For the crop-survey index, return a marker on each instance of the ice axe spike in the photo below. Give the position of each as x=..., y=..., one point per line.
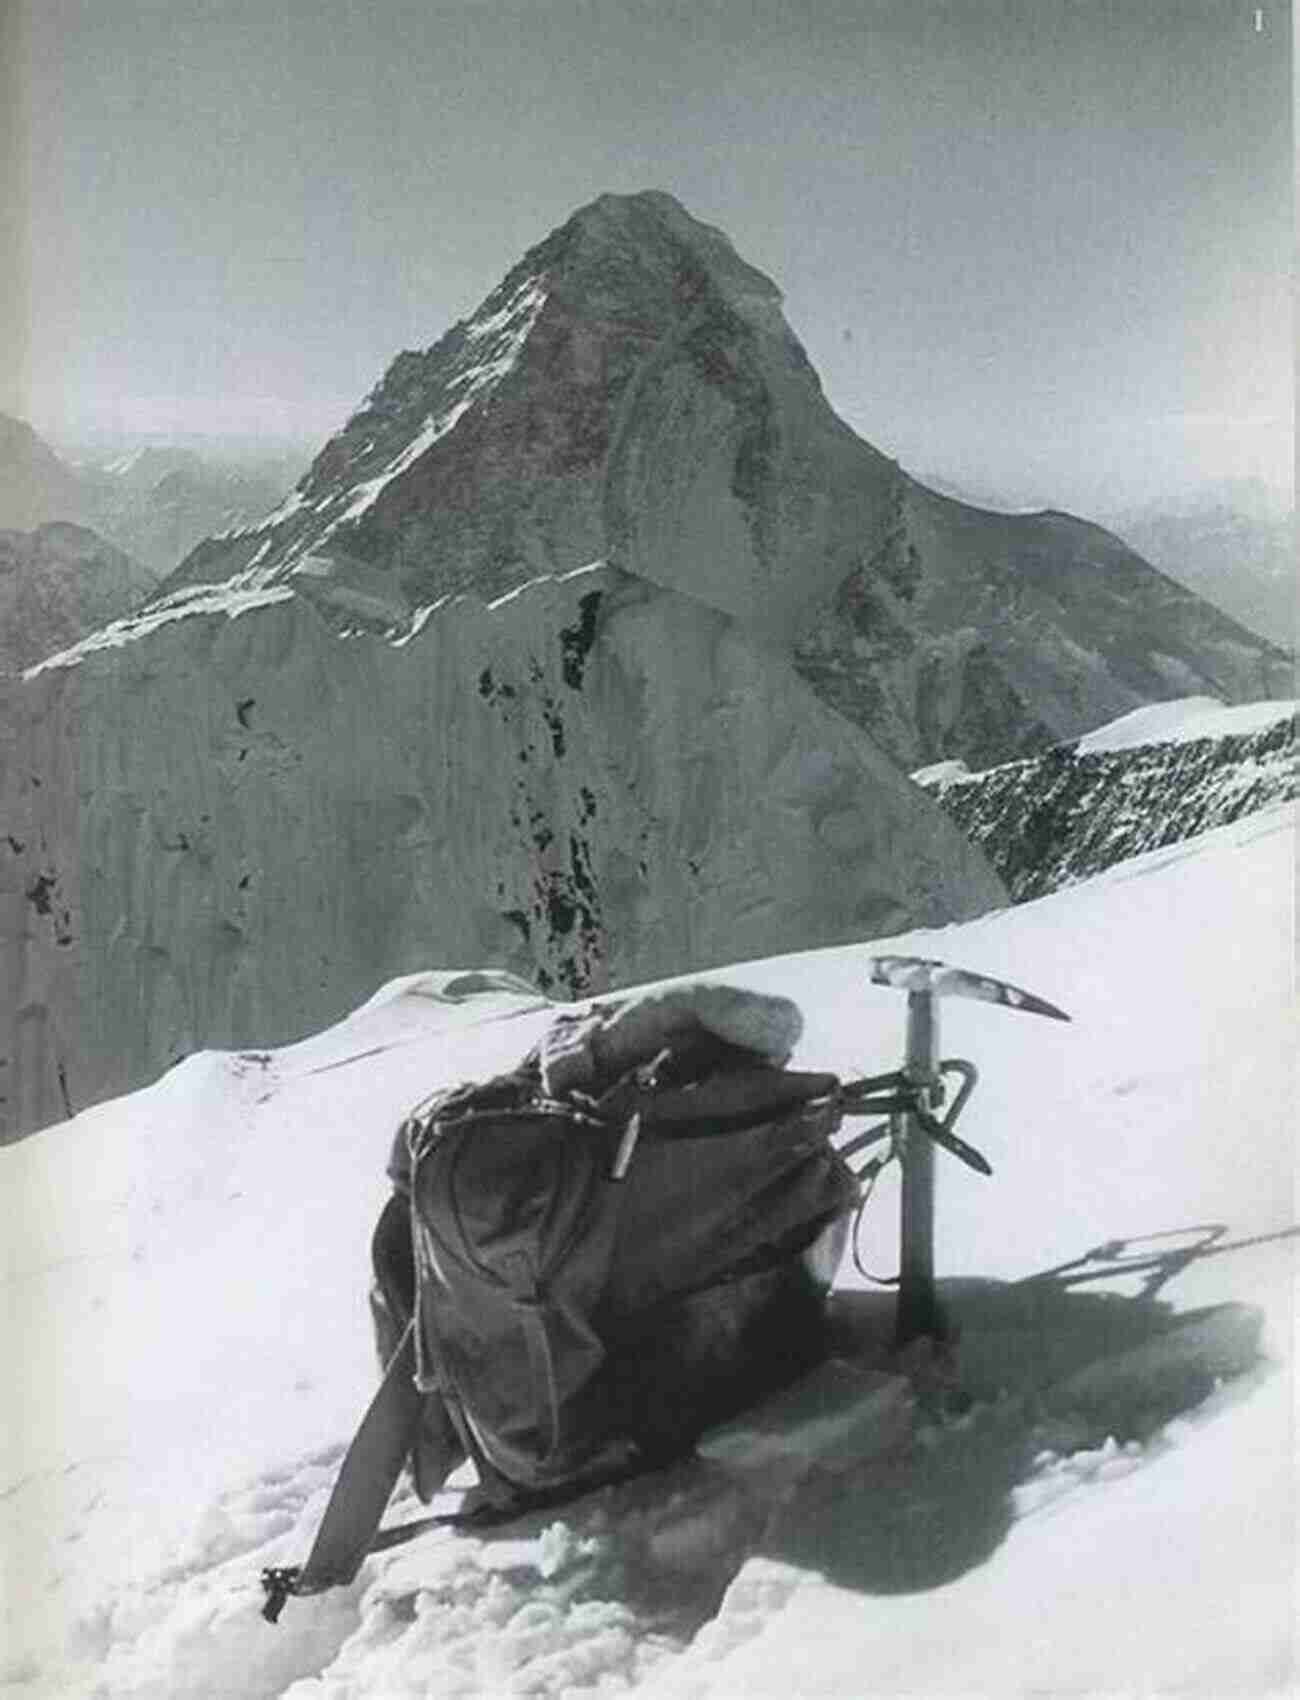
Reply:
x=925, y=981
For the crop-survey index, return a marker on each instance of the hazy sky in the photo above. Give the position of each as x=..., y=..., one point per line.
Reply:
x=1040, y=246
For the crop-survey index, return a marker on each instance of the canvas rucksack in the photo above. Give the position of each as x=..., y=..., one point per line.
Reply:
x=588, y=1260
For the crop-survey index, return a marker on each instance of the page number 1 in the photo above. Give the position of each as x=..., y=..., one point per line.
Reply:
x=1259, y=20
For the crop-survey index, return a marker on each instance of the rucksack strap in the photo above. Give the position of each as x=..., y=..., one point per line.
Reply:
x=365, y=1483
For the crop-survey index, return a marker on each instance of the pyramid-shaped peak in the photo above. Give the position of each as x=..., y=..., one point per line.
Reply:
x=517, y=444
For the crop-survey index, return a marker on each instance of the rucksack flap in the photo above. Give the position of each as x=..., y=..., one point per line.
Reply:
x=586, y=1053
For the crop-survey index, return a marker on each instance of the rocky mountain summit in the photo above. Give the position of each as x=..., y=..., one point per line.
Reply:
x=632, y=392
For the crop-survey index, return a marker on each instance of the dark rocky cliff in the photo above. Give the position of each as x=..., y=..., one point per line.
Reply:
x=1069, y=814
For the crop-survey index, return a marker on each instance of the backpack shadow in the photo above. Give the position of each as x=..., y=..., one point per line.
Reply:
x=1038, y=1367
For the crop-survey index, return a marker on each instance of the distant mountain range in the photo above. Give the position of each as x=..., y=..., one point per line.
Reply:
x=1232, y=541
x=36, y=486
x=1241, y=556
x=154, y=503
x=57, y=583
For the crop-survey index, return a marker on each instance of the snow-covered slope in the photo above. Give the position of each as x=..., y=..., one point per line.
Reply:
x=228, y=831
x=184, y=1289
x=1183, y=721
x=1156, y=776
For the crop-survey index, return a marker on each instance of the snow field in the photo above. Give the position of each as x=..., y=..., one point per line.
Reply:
x=1182, y=720
x=1112, y=1513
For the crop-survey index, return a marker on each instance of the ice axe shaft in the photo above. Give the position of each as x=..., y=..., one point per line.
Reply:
x=918, y=1302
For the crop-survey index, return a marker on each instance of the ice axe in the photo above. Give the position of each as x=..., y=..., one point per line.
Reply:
x=914, y=1129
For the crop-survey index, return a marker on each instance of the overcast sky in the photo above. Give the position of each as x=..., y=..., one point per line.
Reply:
x=1042, y=247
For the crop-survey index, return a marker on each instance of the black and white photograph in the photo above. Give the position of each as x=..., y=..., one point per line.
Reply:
x=648, y=1000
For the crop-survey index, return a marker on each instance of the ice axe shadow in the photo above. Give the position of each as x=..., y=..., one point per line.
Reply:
x=1121, y=1256
x=1044, y=1365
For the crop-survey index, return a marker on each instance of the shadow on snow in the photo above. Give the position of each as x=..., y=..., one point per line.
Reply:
x=1041, y=1366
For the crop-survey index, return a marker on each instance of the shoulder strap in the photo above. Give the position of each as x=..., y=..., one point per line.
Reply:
x=362, y=1489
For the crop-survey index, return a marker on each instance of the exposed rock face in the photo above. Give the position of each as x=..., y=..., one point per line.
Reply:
x=58, y=583
x=632, y=392
x=1072, y=813
x=224, y=831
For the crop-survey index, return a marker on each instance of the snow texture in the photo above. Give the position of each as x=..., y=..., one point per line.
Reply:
x=229, y=599
x=1182, y=721
x=1113, y=1513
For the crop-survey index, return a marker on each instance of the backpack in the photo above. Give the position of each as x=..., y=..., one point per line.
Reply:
x=588, y=1260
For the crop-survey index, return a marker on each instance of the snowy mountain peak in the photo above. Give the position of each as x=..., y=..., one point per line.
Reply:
x=484, y=460
x=631, y=392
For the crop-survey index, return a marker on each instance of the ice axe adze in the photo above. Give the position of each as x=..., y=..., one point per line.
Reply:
x=915, y=1130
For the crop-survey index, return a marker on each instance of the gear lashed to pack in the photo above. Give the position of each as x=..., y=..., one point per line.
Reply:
x=599, y=1238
